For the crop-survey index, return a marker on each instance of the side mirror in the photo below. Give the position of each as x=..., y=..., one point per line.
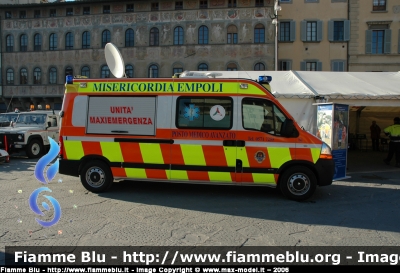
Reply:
x=48, y=124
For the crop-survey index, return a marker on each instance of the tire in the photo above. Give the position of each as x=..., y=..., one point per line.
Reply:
x=34, y=149
x=96, y=176
x=298, y=183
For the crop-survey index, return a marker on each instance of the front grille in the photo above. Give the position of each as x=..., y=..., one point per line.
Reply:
x=11, y=139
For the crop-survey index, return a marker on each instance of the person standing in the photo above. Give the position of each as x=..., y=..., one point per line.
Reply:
x=393, y=131
x=375, y=135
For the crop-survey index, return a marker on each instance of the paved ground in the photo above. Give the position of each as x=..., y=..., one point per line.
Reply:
x=360, y=211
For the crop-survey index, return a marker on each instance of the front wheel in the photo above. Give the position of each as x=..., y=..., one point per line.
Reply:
x=96, y=176
x=298, y=183
x=34, y=149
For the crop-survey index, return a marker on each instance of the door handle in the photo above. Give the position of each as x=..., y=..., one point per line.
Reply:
x=231, y=143
x=240, y=143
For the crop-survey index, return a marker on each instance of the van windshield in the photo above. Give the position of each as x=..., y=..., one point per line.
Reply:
x=31, y=119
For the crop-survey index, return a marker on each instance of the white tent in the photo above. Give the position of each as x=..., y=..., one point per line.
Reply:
x=371, y=95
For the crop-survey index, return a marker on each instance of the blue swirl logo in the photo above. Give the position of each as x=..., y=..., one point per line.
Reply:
x=35, y=208
x=41, y=174
x=45, y=160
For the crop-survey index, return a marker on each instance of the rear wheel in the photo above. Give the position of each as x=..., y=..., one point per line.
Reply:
x=34, y=149
x=298, y=183
x=96, y=176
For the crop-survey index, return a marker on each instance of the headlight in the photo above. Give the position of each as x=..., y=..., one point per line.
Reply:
x=326, y=152
x=20, y=137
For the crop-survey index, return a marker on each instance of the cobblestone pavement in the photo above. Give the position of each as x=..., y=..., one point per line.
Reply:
x=360, y=211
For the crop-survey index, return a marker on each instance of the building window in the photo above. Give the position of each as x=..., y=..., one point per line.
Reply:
x=53, y=75
x=178, y=36
x=259, y=34
x=24, y=42
x=203, y=35
x=68, y=71
x=129, y=71
x=129, y=8
x=202, y=67
x=23, y=76
x=379, y=5
x=338, y=65
x=153, y=71
x=231, y=67
x=310, y=66
x=10, y=76
x=177, y=70
x=37, y=76
x=378, y=40
x=85, y=40
x=8, y=15
x=22, y=14
x=232, y=35
x=69, y=12
x=338, y=31
x=36, y=13
x=53, y=41
x=259, y=3
x=203, y=4
x=105, y=72
x=259, y=67
x=105, y=38
x=9, y=43
x=284, y=30
x=37, y=42
x=178, y=5
x=86, y=10
x=231, y=3
x=311, y=31
x=85, y=71
x=106, y=9
x=69, y=41
x=285, y=65
x=129, y=37
x=154, y=33
x=154, y=6
x=53, y=13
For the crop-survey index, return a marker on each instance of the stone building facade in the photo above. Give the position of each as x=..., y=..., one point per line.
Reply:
x=42, y=43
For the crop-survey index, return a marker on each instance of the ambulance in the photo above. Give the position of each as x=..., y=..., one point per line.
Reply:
x=195, y=128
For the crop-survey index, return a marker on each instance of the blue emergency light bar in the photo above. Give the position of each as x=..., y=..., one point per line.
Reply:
x=264, y=79
x=70, y=79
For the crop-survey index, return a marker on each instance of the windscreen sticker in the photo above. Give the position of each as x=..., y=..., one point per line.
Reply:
x=192, y=112
x=217, y=112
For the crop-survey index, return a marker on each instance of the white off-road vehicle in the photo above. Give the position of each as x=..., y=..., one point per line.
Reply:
x=30, y=132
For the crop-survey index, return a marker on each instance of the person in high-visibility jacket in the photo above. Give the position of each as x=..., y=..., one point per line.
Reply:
x=393, y=131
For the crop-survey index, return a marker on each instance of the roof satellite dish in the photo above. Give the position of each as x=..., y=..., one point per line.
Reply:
x=114, y=60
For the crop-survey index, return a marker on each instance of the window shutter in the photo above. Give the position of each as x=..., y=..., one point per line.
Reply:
x=292, y=31
x=330, y=30
x=302, y=66
x=303, y=31
x=368, y=41
x=388, y=40
x=319, y=66
x=347, y=30
x=319, y=31
x=398, y=43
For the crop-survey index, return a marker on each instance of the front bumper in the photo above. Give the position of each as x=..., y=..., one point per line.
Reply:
x=325, y=171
